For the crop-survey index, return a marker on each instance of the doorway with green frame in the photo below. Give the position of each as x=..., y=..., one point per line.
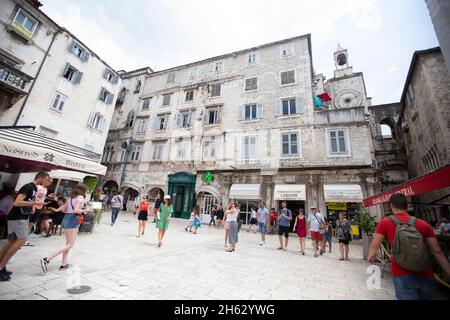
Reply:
x=182, y=193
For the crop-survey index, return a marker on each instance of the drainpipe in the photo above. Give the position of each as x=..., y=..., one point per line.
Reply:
x=36, y=78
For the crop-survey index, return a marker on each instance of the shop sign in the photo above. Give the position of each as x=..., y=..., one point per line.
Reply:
x=339, y=206
x=290, y=192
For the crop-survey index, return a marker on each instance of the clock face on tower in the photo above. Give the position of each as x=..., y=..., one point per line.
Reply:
x=348, y=99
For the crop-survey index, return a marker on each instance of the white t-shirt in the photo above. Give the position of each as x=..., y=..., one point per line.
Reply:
x=445, y=226
x=233, y=216
x=315, y=222
x=253, y=214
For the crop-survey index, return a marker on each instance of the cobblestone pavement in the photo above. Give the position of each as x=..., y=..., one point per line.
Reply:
x=114, y=264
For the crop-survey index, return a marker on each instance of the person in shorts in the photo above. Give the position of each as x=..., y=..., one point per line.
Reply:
x=18, y=221
x=263, y=220
x=284, y=226
x=273, y=220
x=316, y=225
x=144, y=211
x=253, y=220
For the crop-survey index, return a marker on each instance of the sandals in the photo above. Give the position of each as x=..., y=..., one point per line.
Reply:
x=159, y=244
x=341, y=259
x=280, y=248
x=315, y=255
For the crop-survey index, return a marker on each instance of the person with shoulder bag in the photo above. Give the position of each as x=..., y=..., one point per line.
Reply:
x=413, y=242
x=317, y=229
x=343, y=235
x=73, y=218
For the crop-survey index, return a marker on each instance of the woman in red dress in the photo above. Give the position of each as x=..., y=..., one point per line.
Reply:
x=300, y=229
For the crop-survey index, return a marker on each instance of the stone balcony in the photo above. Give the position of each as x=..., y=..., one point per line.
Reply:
x=14, y=84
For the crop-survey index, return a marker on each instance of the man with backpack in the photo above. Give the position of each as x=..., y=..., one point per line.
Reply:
x=412, y=240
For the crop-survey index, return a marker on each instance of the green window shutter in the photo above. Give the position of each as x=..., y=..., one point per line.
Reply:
x=77, y=78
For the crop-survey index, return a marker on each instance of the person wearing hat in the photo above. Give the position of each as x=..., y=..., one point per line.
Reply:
x=316, y=225
x=164, y=215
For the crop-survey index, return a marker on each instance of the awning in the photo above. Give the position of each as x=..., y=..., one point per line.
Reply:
x=343, y=193
x=429, y=182
x=290, y=192
x=24, y=150
x=245, y=191
x=67, y=175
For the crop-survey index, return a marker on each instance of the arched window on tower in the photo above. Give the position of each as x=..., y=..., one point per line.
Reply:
x=387, y=127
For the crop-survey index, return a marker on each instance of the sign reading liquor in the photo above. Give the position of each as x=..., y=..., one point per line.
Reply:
x=436, y=180
x=290, y=192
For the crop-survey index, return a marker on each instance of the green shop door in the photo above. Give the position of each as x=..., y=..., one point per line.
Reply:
x=182, y=192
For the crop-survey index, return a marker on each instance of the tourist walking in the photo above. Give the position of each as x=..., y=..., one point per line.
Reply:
x=300, y=229
x=273, y=220
x=411, y=240
x=226, y=227
x=73, y=218
x=263, y=221
x=191, y=220
x=117, y=204
x=220, y=214
x=197, y=223
x=158, y=202
x=328, y=235
x=232, y=215
x=284, y=226
x=253, y=220
x=18, y=221
x=213, y=215
x=163, y=217
x=144, y=211
x=343, y=235
x=316, y=225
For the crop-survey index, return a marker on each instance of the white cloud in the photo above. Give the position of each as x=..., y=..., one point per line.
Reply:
x=392, y=69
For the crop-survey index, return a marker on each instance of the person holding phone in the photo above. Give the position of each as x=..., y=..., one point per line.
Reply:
x=72, y=220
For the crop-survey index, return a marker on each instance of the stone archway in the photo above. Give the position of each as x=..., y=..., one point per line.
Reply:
x=153, y=193
x=110, y=186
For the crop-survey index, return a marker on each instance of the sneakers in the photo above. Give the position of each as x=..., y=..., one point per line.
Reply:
x=62, y=268
x=44, y=264
x=4, y=277
x=262, y=243
x=6, y=272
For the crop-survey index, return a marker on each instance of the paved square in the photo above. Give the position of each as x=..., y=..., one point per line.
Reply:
x=117, y=265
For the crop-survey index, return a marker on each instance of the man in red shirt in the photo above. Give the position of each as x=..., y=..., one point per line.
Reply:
x=409, y=285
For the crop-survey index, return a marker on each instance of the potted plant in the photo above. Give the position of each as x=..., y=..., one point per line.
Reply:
x=367, y=223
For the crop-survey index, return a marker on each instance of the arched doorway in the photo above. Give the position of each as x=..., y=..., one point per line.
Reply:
x=208, y=196
x=129, y=196
x=153, y=193
x=110, y=186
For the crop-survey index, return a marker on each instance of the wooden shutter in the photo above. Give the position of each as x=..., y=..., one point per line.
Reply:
x=65, y=69
x=77, y=78
x=179, y=119
x=300, y=105
x=279, y=108
x=205, y=115
x=259, y=111
x=110, y=98
x=190, y=119
x=91, y=119
x=242, y=113
x=85, y=56
x=72, y=46
x=115, y=79
x=102, y=123
x=166, y=120
x=105, y=73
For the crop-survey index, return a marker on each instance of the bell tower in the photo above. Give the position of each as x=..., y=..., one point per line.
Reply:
x=341, y=63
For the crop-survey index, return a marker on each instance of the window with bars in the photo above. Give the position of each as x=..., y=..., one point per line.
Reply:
x=166, y=99
x=251, y=84
x=290, y=144
x=287, y=77
x=215, y=90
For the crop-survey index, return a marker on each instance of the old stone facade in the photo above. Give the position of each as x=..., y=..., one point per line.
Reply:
x=247, y=121
x=425, y=122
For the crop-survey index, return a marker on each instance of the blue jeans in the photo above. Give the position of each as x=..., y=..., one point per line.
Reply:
x=413, y=288
x=114, y=214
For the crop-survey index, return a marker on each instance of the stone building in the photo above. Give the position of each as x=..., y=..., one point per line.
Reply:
x=243, y=126
x=440, y=16
x=51, y=80
x=425, y=121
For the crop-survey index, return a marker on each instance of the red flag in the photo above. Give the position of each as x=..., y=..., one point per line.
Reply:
x=324, y=96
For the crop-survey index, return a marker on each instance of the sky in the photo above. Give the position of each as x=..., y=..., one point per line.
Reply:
x=380, y=35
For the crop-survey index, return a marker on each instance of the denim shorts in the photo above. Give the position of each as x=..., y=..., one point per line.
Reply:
x=262, y=227
x=70, y=221
x=413, y=288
